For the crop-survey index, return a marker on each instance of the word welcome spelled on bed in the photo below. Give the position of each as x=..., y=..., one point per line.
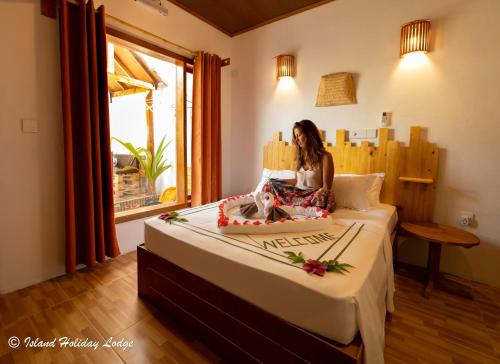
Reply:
x=315, y=287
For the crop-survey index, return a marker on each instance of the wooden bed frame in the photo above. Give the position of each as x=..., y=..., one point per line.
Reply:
x=242, y=333
x=236, y=330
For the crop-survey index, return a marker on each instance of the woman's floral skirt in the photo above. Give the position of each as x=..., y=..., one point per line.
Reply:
x=286, y=194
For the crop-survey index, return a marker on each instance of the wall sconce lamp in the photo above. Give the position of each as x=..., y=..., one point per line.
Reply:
x=285, y=66
x=415, y=37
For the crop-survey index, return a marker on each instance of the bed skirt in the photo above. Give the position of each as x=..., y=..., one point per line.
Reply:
x=234, y=329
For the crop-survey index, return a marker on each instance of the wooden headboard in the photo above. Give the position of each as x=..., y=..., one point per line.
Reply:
x=410, y=171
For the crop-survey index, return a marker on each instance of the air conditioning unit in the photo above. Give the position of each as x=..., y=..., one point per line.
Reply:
x=159, y=5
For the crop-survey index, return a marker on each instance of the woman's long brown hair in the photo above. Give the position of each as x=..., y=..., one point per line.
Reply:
x=314, y=149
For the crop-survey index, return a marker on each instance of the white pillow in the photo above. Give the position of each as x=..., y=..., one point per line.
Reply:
x=357, y=191
x=273, y=173
x=376, y=188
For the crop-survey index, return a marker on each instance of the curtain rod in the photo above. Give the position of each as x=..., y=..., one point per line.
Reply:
x=192, y=53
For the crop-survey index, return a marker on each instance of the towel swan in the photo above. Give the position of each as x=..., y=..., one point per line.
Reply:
x=260, y=215
x=269, y=205
x=260, y=206
x=264, y=204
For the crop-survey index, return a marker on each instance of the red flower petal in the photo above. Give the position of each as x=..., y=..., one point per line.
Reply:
x=314, y=267
x=165, y=216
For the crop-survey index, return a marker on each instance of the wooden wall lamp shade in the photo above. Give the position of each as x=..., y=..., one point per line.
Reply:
x=415, y=37
x=285, y=66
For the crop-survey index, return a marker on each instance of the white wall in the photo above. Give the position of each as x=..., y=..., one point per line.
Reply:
x=454, y=94
x=32, y=176
x=32, y=167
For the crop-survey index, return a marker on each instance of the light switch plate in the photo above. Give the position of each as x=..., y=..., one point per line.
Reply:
x=357, y=134
x=370, y=133
x=29, y=125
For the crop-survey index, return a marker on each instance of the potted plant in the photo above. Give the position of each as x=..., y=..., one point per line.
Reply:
x=153, y=165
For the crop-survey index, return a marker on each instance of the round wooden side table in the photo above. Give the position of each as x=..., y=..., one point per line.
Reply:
x=437, y=235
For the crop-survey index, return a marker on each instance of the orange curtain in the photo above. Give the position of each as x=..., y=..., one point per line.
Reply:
x=90, y=227
x=206, y=172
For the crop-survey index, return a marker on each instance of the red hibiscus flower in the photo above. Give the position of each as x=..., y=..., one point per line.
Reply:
x=165, y=216
x=315, y=267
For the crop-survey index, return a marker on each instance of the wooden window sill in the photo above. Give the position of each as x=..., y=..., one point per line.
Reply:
x=147, y=211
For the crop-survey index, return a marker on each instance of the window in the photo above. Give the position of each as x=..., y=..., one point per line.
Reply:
x=189, y=124
x=150, y=99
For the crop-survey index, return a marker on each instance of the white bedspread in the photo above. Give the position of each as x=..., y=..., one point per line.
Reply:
x=255, y=268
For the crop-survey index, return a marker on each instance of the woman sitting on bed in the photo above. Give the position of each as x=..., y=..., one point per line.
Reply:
x=313, y=170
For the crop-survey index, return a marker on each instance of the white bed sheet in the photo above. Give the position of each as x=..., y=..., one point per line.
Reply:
x=335, y=306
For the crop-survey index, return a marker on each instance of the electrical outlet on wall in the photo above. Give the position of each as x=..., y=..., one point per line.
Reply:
x=466, y=218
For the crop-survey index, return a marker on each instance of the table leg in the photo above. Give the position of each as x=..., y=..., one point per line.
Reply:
x=435, y=280
x=433, y=260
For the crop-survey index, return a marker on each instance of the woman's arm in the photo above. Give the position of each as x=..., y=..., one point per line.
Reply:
x=328, y=171
x=292, y=182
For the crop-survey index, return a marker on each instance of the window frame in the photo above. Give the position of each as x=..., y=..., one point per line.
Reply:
x=183, y=65
x=188, y=68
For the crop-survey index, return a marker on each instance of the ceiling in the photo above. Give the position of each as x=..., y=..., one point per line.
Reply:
x=234, y=17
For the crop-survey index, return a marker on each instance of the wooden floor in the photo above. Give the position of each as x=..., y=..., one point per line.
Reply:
x=102, y=303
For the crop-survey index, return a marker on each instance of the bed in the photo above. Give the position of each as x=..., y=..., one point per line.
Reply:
x=249, y=303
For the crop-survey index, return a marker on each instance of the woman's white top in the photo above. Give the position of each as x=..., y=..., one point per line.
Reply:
x=311, y=178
